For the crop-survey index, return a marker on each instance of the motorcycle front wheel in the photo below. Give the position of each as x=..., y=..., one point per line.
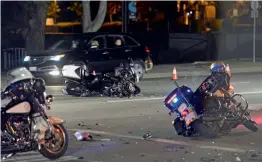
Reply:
x=251, y=125
x=56, y=147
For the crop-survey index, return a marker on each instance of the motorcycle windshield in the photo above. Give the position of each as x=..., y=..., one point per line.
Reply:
x=18, y=74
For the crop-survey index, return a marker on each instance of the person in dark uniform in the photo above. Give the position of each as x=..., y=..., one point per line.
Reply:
x=210, y=92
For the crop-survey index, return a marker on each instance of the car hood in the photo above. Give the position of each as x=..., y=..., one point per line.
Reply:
x=49, y=52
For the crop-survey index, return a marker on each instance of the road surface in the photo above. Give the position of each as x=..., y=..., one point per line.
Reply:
x=117, y=127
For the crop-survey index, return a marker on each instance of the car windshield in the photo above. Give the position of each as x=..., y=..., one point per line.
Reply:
x=65, y=44
x=18, y=74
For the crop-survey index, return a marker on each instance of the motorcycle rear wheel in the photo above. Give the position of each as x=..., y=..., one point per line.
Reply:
x=56, y=154
x=251, y=125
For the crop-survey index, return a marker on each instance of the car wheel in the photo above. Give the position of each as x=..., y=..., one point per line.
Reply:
x=139, y=68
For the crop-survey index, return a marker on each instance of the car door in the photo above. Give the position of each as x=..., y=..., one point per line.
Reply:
x=115, y=46
x=96, y=57
x=132, y=48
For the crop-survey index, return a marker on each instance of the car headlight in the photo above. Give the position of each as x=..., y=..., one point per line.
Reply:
x=57, y=57
x=27, y=58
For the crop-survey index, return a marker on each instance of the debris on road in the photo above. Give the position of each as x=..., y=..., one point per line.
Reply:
x=81, y=124
x=81, y=136
x=172, y=149
x=142, y=155
x=147, y=136
x=254, y=155
x=238, y=159
x=105, y=139
x=126, y=142
x=206, y=159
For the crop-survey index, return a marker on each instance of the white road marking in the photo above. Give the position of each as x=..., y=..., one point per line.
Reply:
x=255, y=92
x=138, y=99
x=57, y=94
x=55, y=86
x=192, y=143
x=240, y=82
x=34, y=157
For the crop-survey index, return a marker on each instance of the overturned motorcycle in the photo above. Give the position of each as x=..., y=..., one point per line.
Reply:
x=191, y=120
x=79, y=82
x=24, y=123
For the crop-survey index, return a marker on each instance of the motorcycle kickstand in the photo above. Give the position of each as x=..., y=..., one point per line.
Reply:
x=8, y=156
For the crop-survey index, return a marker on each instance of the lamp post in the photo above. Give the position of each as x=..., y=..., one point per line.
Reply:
x=124, y=16
x=254, y=15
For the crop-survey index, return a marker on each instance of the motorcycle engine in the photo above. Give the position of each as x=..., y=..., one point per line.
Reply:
x=39, y=127
x=19, y=127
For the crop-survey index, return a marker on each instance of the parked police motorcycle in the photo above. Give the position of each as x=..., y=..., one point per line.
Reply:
x=191, y=120
x=25, y=125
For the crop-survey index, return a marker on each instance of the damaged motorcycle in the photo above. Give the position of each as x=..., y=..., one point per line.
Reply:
x=191, y=118
x=25, y=125
x=80, y=82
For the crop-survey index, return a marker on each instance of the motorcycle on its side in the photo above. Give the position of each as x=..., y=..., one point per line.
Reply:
x=80, y=82
x=191, y=118
x=128, y=78
x=25, y=125
x=187, y=122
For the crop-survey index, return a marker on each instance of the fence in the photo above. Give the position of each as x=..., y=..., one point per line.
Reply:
x=12, y=57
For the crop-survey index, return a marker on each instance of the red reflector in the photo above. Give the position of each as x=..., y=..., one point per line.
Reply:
x=184, y=113
x=147, y=49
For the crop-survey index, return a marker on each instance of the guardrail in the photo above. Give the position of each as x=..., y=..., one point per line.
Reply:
x=13, y=57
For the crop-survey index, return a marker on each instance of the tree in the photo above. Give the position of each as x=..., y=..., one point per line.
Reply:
x=28, y=19
x=77, y=8
x=93, y=26
x=35, y=33
x=53, y=10
x=113, y=8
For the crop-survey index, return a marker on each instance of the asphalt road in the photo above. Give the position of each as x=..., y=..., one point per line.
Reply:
x=117, y=127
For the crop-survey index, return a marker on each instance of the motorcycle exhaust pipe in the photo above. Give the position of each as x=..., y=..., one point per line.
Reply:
x=231, y=119
x=10, y=149
x=211, y=118
x=218, y=118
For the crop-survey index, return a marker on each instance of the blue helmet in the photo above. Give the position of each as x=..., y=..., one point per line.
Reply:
x=218, y=67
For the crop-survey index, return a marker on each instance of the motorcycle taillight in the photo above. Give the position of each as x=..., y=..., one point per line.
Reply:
x=184, y=113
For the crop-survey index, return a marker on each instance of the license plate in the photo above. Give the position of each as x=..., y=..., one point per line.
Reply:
x=182, y=107
x=32, y=68
x=190, y=118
